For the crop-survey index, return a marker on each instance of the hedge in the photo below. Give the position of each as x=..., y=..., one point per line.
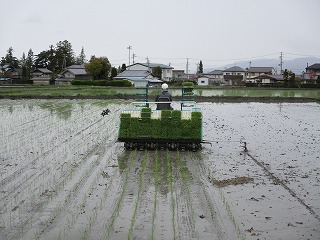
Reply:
x=170, y=127
x=114, y=83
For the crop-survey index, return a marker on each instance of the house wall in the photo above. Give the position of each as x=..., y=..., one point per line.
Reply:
x=69, y=75
x=203, y=81
x=167, y=75
x=232, y=77
x=138, y=67
x=41, y=81
x=312, y=74
x=214, y=76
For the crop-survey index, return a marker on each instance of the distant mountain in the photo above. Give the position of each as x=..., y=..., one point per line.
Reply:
x=297, y=65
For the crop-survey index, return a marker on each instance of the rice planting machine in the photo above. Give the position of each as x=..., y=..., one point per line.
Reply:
x=144, y=128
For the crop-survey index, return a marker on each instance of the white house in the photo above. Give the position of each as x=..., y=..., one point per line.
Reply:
x=203, y=81
x=268, y=78
x=233, y=75
x=215, y=77
x=166, y=70
x=254, y=72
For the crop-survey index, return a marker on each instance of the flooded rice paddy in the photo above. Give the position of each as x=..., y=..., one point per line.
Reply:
x=65, y=176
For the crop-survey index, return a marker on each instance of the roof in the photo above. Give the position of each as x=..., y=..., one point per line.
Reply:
x=76, y=67
x=315, y=66
x=7, y=66
x=5, y=79
x=214, y=72
x=274, y=77
x=133, y=73
x=260, y=69
x=162, y=66
x=142, y=79
x=43, y=70
x=76, y=70
x=234, y=69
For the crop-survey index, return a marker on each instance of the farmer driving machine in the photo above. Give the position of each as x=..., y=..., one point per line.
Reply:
x=144, y=128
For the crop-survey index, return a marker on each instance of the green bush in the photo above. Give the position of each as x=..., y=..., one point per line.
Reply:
x=188, y=84
x=114, y=83
x=119, y=83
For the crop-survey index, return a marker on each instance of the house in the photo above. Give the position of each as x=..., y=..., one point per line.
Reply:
x=234, y=75
x=134, y=73
x=166, y=70
x=268, y=79
x=312, y=73
x=203, y=81
x=8, y=71
x=41, y=76
x=179, y=75
x=254, y=72
x=139, y=78
x=74, y=72
x=215, y=77
x=4, y=80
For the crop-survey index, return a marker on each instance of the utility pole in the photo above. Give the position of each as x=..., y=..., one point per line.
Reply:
x=148, y=63
x=197, y=64
x=281, y=62
x=130, y=47
x=133, y=56
x=187, y=68
x=249, y=74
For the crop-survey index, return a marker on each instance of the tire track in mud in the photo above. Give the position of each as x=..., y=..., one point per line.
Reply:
x=120, y=216
x=185, y=215
x=214, y=215
x=284, y=185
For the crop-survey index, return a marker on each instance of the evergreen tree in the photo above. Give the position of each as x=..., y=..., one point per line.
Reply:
x=23, y=66
x=123, y=67
x=81, y=59
x=64, y=52
x=10, y=59
x=114, y=73
x=200, y=67
x=29, y=64
x=157, y=72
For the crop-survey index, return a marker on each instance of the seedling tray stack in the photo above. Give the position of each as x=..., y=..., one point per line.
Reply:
x=166, y=129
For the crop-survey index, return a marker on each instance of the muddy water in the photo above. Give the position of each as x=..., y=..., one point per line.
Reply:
x=64, y=176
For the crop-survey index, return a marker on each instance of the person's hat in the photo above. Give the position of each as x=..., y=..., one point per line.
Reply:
x=164, y=86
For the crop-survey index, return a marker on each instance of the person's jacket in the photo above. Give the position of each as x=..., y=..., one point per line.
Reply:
x=164, y=96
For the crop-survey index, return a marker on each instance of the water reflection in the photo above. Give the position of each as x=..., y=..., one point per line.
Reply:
x=245, y=92
x=62, y=109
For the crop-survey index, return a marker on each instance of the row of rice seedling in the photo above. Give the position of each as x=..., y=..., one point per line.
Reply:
x=65, y=154
x=109, y=225
x=137, y=203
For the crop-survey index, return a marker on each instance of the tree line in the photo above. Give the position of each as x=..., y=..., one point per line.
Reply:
x=57, y=58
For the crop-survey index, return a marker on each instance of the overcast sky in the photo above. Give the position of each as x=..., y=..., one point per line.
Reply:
x=218, y=32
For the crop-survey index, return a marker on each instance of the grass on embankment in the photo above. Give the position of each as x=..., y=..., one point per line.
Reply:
x=237, y=94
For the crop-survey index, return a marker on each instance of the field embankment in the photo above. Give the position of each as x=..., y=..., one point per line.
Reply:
x=231, y=94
